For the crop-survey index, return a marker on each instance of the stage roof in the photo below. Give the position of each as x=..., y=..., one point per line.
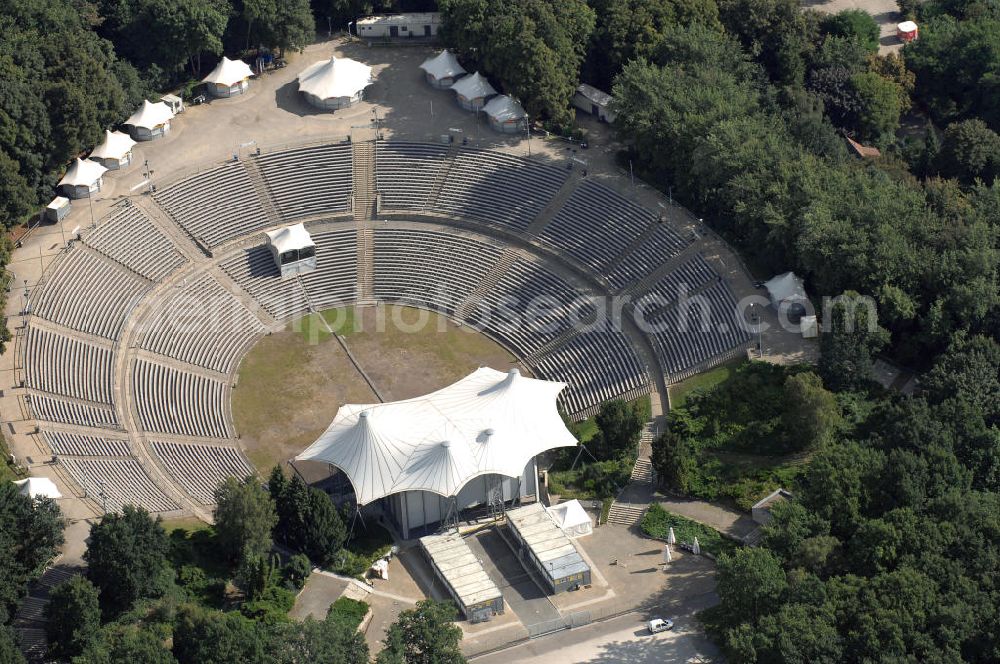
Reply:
x=489, y=422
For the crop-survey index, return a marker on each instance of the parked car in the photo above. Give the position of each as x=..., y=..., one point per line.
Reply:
x=659, y=625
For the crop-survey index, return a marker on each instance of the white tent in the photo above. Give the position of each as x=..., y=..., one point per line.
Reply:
x=83, y=178
x=785, y=287
x=489, y=422
x=230, y=77
x=473, y=91
x=506, y=115
x=293, y=249
x=335, y=83
x=116, y=150
x=572, y=518
x=38, y=487
x=150, y=121
x=442, y=69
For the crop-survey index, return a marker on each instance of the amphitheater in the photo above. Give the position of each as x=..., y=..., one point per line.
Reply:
x=135, y=408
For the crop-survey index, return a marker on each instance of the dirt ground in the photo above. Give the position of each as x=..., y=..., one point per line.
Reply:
x=289, y=389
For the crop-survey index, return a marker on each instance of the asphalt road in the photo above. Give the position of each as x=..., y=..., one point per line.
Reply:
x=621, y=640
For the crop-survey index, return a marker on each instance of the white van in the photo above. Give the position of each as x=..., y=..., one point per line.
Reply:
x=659, y=625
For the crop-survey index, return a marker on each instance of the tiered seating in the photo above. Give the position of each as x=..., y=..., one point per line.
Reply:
x=74, y=444
x=405, y=172
x=498, y=188
x=334, y=282
x=597, y=366
x=429, y=268
x=51, y=409
x=127, y=236
x=88, y=293
x=254, y=270
x=595, y=225
x=309, y=181
x=201, y=468
x=694, y=331
x=202, y=324
x=172, y=401
x=62, y=365
x=121, y=481
x=530, y=307
x=651, y=253
x=686, y=279
x=215, y=206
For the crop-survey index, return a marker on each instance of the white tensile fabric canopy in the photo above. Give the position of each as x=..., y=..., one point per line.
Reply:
x=336, y=77
x=473, y=87
x=115, y=146
x=443, y=65
x=83, y=173
x=38, y=487
x=150, y=115
x=504, y=109
x=229, y=72
x=784, y=287
x=572, y=518
x=489, y=422
x=290, y=238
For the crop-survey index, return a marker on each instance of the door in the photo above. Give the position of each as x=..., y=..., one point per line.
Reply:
x=393, y=31
x=427, y=31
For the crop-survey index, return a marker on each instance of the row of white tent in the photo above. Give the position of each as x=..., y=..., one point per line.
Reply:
x=474, y=92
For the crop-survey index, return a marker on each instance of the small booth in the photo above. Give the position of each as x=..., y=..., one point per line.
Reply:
x=150, y=121
x=57, y=210
x=788, y=294
x=442, y=70
x=38, y=487
x=472, y=92
x=596, y=102
x=907, y=31
x=572, y=518
x=506, y=115
x=293, y=250
x=335, y=83
x=115, y=152
x=83, y=178
x=174, y=103
x=809, y=327
x=229, y=78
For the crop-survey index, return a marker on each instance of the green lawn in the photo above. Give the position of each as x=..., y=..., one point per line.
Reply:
x=679, y=392
x=340, y=320
x=7, y=472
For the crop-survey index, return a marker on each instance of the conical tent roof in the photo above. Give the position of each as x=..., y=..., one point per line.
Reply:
x=150, y=115
x=504, y=109
x=785, y=286
x=487, y=422
x=115, y=146
x=443, y=65
x=36, y=487
x=83, y=173
x=473, y=87
x=229, y=72
x=336, y=77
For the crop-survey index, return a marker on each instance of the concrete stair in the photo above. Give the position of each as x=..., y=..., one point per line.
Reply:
x=625, y=514
x=642, y=472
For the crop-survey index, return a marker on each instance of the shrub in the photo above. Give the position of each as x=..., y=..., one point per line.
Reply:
x=656, y=523
x=297, y=570
x=347, y=612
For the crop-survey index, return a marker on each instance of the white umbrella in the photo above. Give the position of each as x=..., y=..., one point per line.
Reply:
x=696, y=549
x=671, y=538
x=667, y=556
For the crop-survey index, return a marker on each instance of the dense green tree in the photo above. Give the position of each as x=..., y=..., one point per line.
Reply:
x=73, y=617
x=244, y=518
x=424, y=635
x=799, y=634
x=878, y=102
x=117, y=644
x=674, y=461
x=324, y=641
x=750, y=582
x=812, y=414
x=970, y=151
x=10, y=653
x=212, y=637
x=308, y=521
x=620, y=424
x=776, y=32
x=855, y=24
x=127, y=559
x=277, y=24
x=849, y=345
x=31, y=532
x=969, y=369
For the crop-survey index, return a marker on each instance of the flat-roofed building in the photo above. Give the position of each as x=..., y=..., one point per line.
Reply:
x=542, y=544
x=477, y=597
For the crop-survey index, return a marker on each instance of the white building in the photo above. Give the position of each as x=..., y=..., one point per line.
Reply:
x=506, y=115
x=788, y=295
x=472, y=91
x=229, y=78
x=443, y=69
x=293, y=250
x=115, y=152
x=335, y=83
x=83, y=178
x=426, y=459
x=150, y=121
x=398, y=26
x=596, y=102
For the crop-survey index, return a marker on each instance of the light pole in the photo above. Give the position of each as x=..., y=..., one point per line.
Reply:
x=527, y=130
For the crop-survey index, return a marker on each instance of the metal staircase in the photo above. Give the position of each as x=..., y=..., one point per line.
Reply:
x=363, y=154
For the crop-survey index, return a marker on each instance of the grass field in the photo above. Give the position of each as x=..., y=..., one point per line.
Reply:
x=7, y=472
x=679, y=392
x=292, y=382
